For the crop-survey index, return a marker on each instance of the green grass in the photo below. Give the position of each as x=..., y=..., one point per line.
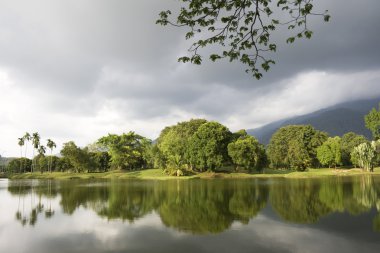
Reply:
x=157, y=174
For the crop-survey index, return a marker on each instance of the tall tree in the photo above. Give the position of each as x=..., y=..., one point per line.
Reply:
x=372, y=122
x=208, y=146
x=51, y=145
x=247, y=152
x=126, y=150
x=27, y=138
x=348, y=142
x=173, y=142
x=78, y=158
x=41, y=152
x=295, y=147
x=36, y=143
x=364, y=155
x=241, y=29
x=21, y=143
x=330, y=153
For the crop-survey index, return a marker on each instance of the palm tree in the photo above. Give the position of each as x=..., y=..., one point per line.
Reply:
x=21, y=143
x=27, y=138
x=36, y=144
x=51, y=144
x=41, y=152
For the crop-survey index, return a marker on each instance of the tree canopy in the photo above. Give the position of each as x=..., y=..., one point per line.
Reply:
x=126, y=150
x=372, y=122
x=349, y=141
x=173, y=142
x=247, y=152
x=208, y=146
x=295, y=147
x=330, y=153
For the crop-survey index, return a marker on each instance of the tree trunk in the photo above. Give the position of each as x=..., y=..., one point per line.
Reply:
x=32, y=162
x=21, y=160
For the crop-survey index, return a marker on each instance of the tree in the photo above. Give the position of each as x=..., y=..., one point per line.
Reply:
x=156, y=158
x=36, y=143
x=173, y=143
x=247, y=152
x=295, y=147
x=241, y=29
x=298, y=156
x=100, y=161
x=21, y=143
x=348, y=142
x=330, y=154
x=63, y=164
x=51, y=145
x=78, y=158
x=27, y=138
x=41, y=152
x=126, y=150
x=372, y=122
x=208, y=146
x=15, y=164
x=364, y=155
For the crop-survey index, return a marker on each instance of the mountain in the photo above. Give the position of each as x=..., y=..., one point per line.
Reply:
x=335, y=120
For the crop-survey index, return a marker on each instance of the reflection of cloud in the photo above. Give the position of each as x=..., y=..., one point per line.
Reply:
x=287, y=237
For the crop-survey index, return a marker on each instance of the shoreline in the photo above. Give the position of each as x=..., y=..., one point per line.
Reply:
x=157, y=174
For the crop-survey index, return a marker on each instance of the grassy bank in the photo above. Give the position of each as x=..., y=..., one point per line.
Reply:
x=157, y=174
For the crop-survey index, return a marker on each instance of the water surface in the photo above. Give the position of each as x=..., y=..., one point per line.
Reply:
x=338, y=214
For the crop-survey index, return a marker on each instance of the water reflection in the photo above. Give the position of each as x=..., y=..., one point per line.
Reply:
x=200, y=206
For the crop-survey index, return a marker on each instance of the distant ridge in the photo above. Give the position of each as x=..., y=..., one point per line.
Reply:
x=335, y=120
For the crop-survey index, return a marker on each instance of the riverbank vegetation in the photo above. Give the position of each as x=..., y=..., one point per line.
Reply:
x=193, y=147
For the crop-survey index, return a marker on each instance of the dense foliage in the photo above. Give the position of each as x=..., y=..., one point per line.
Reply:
x=208, y=146
x=171, y=150
x=295, y=147
x=348, y=142
x=127, y=151
x=366, y=155
x=247, y=152
x=372, y=122
x=330, y=152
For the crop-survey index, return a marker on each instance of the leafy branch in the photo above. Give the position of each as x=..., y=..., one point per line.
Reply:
x=241, y=27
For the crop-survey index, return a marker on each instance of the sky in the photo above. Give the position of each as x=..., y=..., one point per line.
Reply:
x=80, y=69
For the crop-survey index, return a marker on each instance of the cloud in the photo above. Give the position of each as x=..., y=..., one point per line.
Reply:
x=78, y=69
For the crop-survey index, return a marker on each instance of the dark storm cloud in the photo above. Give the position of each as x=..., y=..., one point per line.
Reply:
x=64, y=45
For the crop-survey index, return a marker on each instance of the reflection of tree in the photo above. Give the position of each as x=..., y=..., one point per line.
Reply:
x=49, y=212
x=298, y=200
x=128, y=202
x=195, y=207
x=354, y=195
x=75, y=194
x=201, y=206
x=331, y=193
x=247, y=202
x=210, y=207
x=28, y=190
x=307, y=200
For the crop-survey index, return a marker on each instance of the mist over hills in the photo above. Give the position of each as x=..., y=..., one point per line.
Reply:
x=335, y=120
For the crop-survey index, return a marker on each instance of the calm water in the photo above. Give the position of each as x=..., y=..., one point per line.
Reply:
x=259, y=215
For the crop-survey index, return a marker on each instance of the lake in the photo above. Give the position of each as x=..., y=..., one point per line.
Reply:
x=332, y=214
